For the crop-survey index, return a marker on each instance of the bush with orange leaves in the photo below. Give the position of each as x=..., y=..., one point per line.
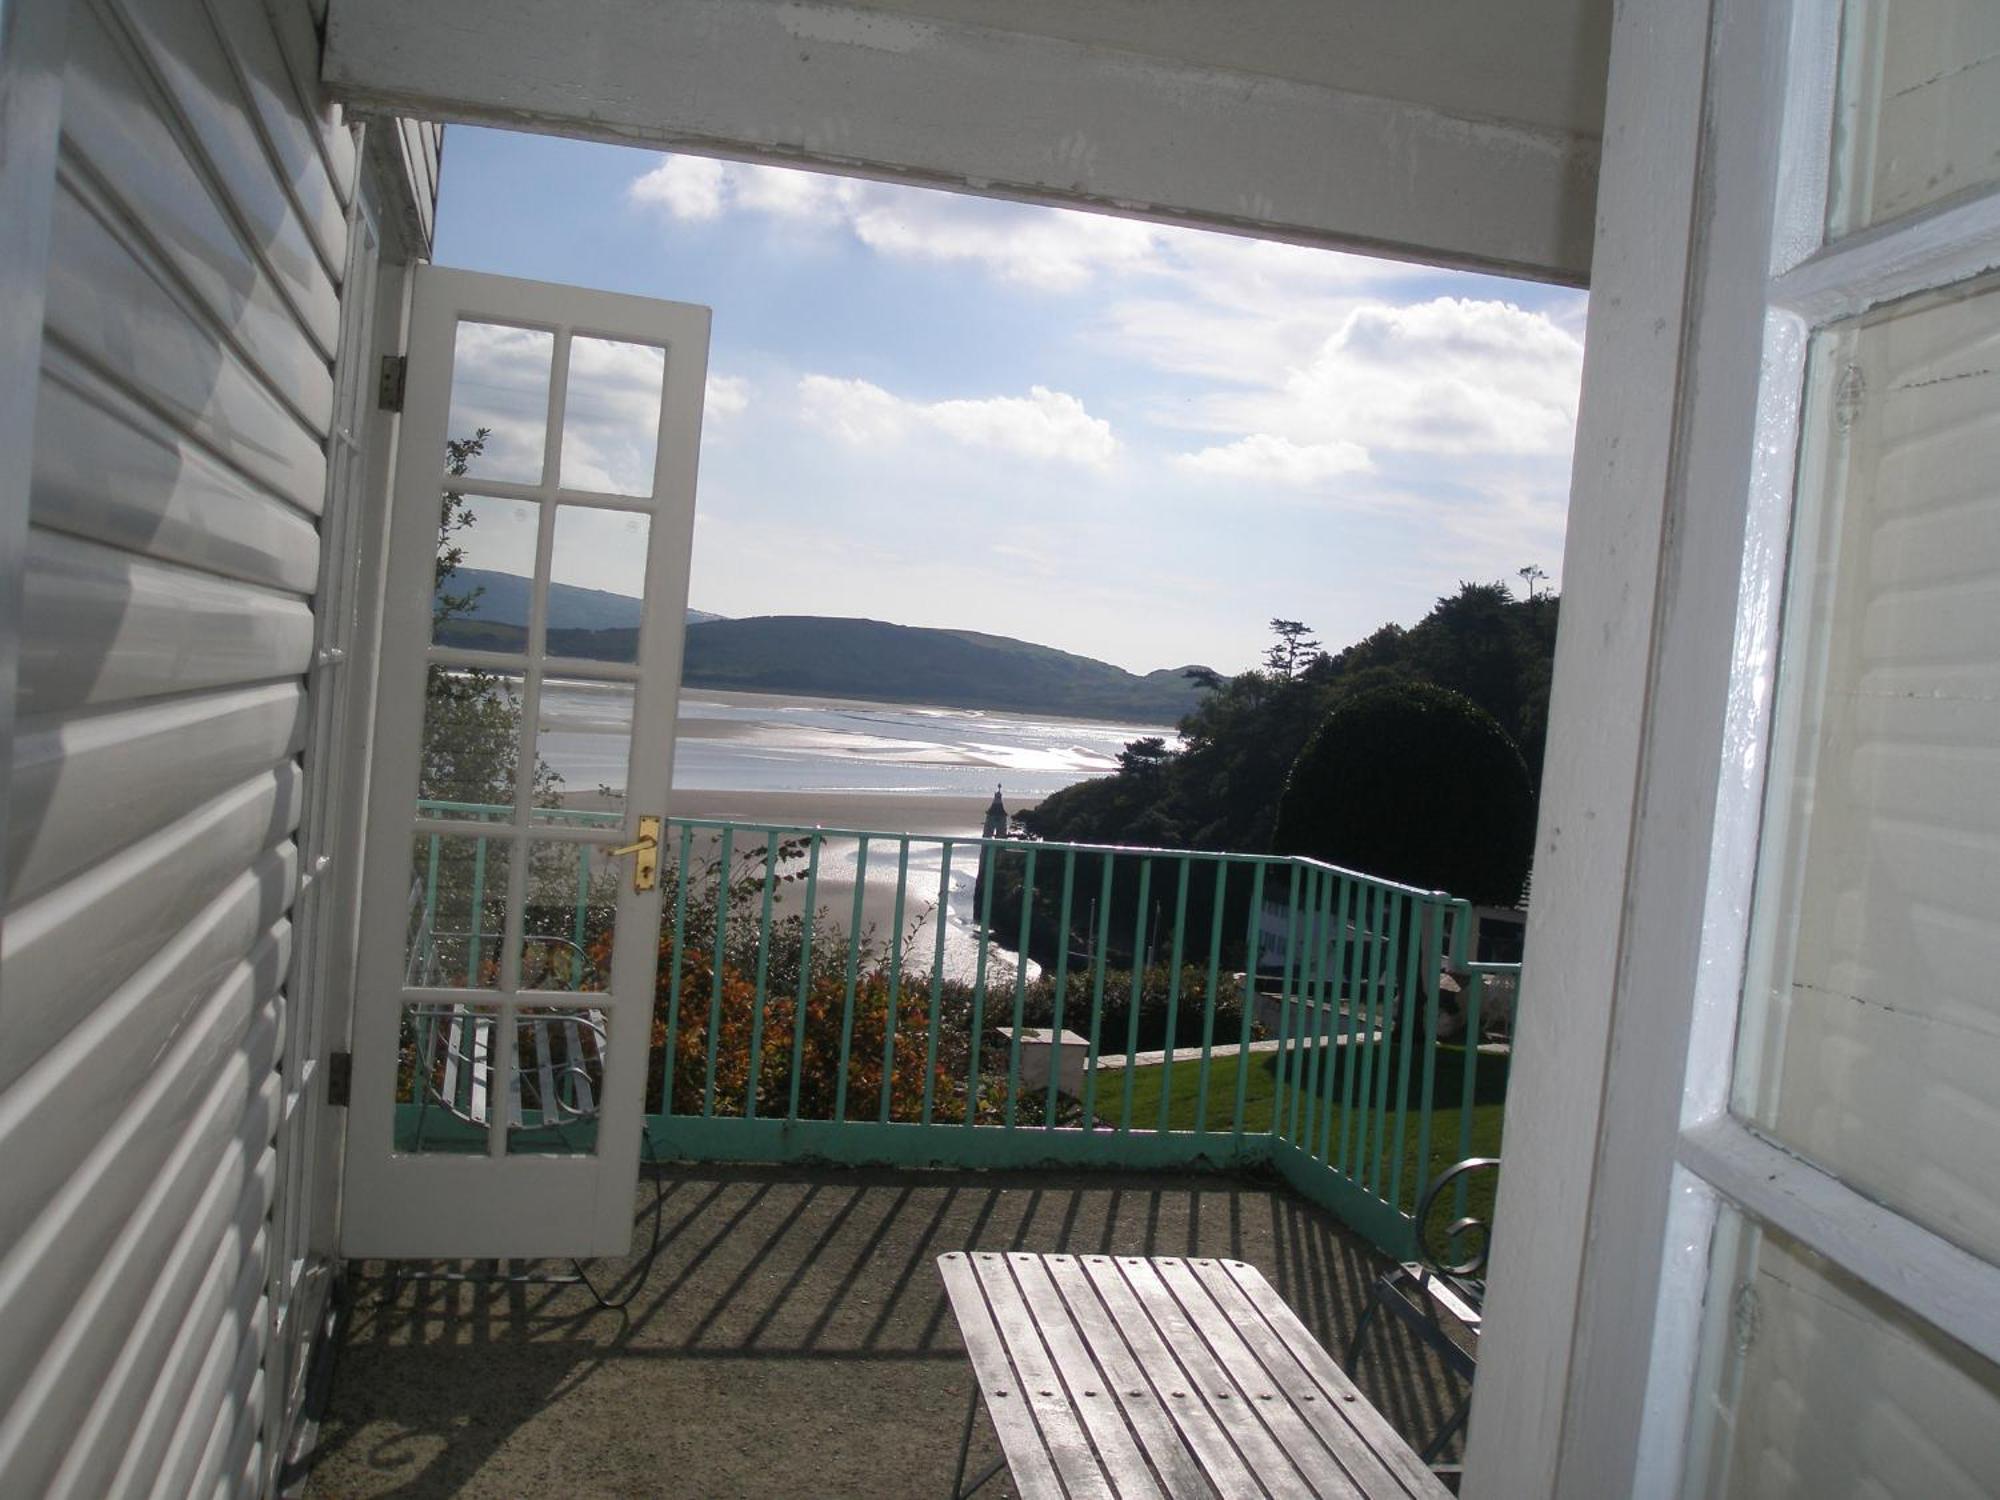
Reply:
x=786, y=1050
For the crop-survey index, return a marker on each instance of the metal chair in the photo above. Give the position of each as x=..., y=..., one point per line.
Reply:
x=1442, y=1281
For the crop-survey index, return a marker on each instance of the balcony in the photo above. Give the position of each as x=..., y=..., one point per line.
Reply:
x=850, y=1075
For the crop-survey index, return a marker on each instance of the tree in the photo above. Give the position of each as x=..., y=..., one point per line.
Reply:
x=472, y=716
x=1531, y=575
x=1293, y=650
x=470, y=755
x=1417, y=784
x=1145, y=756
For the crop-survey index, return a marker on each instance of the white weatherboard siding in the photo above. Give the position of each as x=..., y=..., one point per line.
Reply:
x=152, y=1071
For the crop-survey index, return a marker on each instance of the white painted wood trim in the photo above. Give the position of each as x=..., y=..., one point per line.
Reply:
x=1948, y=1287
x=1693, y=862
x=1627, y=423
x=1005, y=114
x=1933, y=247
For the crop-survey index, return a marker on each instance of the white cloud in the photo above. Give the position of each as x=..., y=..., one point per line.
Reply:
x=1451, y=375
x=1044, y=424
x=855, y=411
x=726, y=396
x=1444, y=378
x=611, y=416
x=1266, y=459
x=1052, y=248
x=688, y=187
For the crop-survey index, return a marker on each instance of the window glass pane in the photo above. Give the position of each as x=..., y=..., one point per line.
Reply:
x=472, y=742
x=1919, y=110
x=597, y=583
x=457, y=918
x=611, y=416
x=1813, y=1385
x=485, y=572
x=559, y=1081
x=1870, y=1037
x=567, y=925
x=444, y=1078
x=583, y=751
x=499, y=402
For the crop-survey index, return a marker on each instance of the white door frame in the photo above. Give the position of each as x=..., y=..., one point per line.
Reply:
x=1709, y=277
x=455, y=1206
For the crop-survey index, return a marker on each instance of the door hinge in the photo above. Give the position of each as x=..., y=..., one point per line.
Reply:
x=339, y=1078
x=389, y=389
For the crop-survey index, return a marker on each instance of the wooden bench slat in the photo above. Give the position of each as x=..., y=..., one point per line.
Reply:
x=1140, y=1407
x=1232, y=1472
x=1028, y=1460
x=1216, y=1317
x=1305, y=1414
x=1043, y=1393
x=1282, y=1473
x=1376, y=1435
x=1125, y=1463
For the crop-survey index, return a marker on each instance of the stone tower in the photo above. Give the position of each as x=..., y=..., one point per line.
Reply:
x=996, y=818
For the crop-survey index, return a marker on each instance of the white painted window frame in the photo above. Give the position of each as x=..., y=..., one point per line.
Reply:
x=1597, y=1400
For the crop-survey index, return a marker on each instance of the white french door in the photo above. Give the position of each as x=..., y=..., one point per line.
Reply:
x=1787, y=1277
x=540, y=531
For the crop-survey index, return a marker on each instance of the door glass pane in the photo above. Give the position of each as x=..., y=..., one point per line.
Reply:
x=1813, y=1385
x=611, y=416
x=559, y=1077
x=444, y=1078
x=567, y=925
x=1870, y=1037
x=584, y=745
x=457, y=917
x=499, y=402
x=1919, y=111
x=597, y=583
x=485, y=572
x=472, y=743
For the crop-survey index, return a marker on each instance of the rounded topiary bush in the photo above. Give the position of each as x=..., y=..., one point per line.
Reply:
x=1417, y=784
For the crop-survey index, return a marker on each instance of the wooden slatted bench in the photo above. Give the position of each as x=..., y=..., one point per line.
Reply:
x=1123, y=1375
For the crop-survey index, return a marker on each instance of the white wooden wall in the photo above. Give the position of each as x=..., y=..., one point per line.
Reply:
x=157, y=1052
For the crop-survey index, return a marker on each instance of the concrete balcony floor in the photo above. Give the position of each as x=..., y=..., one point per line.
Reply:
x=791, y=1337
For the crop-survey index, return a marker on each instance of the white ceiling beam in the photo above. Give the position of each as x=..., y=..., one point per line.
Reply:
x=844, y=88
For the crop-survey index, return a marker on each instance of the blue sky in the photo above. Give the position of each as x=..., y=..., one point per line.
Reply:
x=1129, y=441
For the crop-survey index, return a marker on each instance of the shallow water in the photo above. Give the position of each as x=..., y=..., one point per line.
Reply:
x=746, y=741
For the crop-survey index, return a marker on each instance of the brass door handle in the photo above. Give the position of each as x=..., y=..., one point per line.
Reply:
x=645, y=868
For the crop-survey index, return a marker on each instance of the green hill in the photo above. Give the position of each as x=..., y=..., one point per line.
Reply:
x=813, y=655
x=912, y=664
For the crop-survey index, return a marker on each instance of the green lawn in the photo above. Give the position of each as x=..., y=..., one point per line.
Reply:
x=1489, y=1092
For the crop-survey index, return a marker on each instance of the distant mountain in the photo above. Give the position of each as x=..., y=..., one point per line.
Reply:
x=820, y=656
x=503, y=601
x=910, y=664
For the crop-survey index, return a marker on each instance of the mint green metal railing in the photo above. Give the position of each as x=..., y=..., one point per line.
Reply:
x=788, y=1027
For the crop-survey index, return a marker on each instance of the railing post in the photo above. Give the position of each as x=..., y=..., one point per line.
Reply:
x=1251, y=951
x=853, y=971
x=715, y=987
x=1060, y=1000
x=1212, y=999
x=942, y=917
x=1168, y=1036
x=754, y=1064
x=895, y=982
x=1021, y=986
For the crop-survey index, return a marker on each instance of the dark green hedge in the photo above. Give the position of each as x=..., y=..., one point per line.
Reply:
x=1418, y=784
